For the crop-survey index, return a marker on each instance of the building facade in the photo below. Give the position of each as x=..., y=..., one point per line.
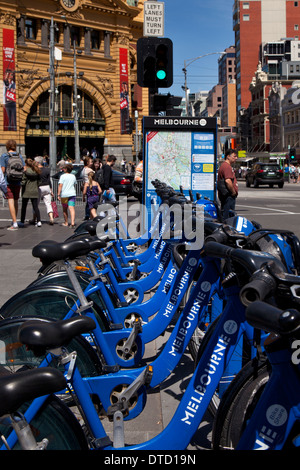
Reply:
x=256, y=22
x=290, y=105
x=92, y=72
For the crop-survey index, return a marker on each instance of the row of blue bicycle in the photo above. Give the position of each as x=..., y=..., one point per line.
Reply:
x=76, y=336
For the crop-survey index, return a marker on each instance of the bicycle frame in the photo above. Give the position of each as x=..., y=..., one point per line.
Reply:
x=198, y=394
x=278, y=408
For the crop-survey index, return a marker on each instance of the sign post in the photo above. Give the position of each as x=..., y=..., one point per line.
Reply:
x=180, y=152
x=154, y=18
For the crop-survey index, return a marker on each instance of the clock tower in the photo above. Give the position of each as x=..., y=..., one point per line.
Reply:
x=69, y=5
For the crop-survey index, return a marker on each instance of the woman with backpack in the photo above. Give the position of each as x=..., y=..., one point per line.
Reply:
x=30, y=190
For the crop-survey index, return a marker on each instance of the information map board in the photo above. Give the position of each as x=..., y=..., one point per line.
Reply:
x=181, y=152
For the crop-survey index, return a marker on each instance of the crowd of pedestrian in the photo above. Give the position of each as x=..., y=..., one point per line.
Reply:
x=29, y=179
x=294, y=173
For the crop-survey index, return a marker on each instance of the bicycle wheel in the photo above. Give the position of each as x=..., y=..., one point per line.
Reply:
x=48, y=301
x=15, y=355
x=55, y=422
x=238, y=403
x=239, y=358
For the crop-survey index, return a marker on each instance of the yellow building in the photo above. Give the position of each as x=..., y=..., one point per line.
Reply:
x=94, y=50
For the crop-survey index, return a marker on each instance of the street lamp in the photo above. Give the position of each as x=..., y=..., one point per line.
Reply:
x=75, y=99
x=75, y=104
x=52, y=137
x=187, y=63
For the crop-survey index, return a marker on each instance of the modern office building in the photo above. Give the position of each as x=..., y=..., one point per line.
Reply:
x=257, y=22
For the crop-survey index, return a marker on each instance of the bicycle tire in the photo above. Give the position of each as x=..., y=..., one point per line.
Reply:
x=55, y=422
x=17, y=355
x=238, y=403
x=48, y=301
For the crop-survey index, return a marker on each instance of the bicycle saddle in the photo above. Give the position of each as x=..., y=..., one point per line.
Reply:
x=16, y=389
x=50, y=250
x=95, y=242
x=39, y=335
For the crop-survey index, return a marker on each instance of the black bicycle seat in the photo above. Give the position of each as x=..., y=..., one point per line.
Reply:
x=16, y=389
x=51, y=335
x=50, y=250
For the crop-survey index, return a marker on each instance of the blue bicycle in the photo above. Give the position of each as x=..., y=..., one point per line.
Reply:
x=199, y=391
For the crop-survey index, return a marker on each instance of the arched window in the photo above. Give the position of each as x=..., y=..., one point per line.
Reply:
x=88, y=109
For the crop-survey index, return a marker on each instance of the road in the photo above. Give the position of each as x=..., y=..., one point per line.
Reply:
x=271, y=207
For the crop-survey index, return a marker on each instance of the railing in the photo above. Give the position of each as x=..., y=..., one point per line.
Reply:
x=79, y=201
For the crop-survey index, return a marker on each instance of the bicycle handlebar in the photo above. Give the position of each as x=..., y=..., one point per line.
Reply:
x=261, y=285
x=217, y=250
x=272, y=319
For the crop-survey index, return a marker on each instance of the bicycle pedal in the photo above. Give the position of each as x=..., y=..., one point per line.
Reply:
x=121, y=406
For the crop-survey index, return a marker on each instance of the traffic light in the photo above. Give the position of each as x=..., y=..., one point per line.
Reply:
x=154, y=62
x=292, y=154
x=167, y=104
x=129, y=125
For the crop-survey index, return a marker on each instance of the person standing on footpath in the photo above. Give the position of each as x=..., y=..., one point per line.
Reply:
x=30, y=190
x=66, y=194
x=227, y=184
x=13, y=187
x=108, y=190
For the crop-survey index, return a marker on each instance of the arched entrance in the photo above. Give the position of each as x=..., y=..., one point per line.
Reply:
x=91, y=124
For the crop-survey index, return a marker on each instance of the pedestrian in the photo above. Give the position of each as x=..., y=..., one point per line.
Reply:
x=3, y=185
x=95, y=153
x=138, y=176
x=298, y=172
x=97, y=167
x=13, y=181
x=227, y=184
x=30, y=190
x=124, y=162
x=292, y=172
x=108, y=190
x=45, y=189
x=87, y=168
x=61, y=163
x=92, y=192
x=66, y=194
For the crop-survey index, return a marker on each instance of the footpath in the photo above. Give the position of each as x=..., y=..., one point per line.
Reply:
x=19, y=269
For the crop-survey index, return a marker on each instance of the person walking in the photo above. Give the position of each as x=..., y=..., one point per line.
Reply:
x=92, y=192
x=30, y=190
x=13, y=184
x=66, y=194
x=3, y=185
x=45, y=187
x=227, y=184
x=88, y=164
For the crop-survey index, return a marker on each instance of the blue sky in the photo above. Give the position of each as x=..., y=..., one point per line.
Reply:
x=197, y=27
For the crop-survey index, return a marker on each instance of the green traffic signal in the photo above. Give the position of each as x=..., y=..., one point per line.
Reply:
x=161, y=74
